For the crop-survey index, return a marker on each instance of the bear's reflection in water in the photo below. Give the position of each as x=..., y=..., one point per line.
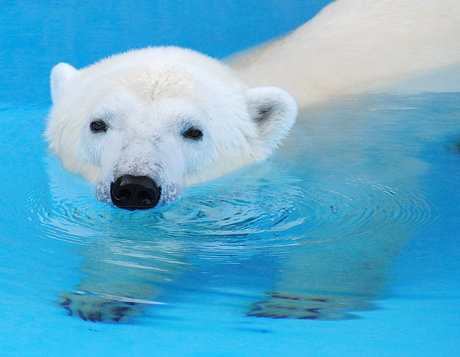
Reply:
x=332, y=210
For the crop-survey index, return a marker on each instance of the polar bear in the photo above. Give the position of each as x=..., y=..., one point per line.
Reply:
x=150, y=122
x=144, y=124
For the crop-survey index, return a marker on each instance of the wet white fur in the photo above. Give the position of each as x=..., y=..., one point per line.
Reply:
x=355, y=42
x=148, y=98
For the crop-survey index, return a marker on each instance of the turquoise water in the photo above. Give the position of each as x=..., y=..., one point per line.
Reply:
x=343, y=243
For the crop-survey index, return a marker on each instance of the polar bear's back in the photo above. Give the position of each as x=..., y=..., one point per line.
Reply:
x=352, y=42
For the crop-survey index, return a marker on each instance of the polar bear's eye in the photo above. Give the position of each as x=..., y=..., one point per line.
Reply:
x=98, y=126
x=193, y=133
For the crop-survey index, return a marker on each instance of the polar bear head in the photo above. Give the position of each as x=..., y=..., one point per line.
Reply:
x=146, y=123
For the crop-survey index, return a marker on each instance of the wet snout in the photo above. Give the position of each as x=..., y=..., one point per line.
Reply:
x=135, y=192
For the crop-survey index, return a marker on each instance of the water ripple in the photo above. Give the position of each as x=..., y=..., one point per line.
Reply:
x=255, y=214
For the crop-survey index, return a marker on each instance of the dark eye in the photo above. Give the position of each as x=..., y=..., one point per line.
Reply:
x=98, y=126
x=193, y=133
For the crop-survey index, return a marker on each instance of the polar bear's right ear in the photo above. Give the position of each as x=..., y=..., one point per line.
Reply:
x=60, y=75
x=274, y=110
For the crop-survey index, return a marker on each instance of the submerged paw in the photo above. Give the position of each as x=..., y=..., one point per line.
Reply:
x=280, y=306
x=98, y=308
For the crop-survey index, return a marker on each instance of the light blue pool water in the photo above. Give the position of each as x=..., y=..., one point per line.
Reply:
x=345, y=243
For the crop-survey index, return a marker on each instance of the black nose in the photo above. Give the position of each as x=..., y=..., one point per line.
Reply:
x=135, y=192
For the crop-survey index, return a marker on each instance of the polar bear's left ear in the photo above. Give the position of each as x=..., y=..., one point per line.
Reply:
x=274, y=110
x=60, y=75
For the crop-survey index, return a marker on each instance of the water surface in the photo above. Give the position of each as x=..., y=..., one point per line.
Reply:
x=345, y=242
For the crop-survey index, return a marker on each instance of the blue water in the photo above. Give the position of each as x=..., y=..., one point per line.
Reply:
x=343, y=243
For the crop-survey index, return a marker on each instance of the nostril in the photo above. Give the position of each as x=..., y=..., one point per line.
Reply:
x=145, y=197
x=135, y=192
x=123, y=194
